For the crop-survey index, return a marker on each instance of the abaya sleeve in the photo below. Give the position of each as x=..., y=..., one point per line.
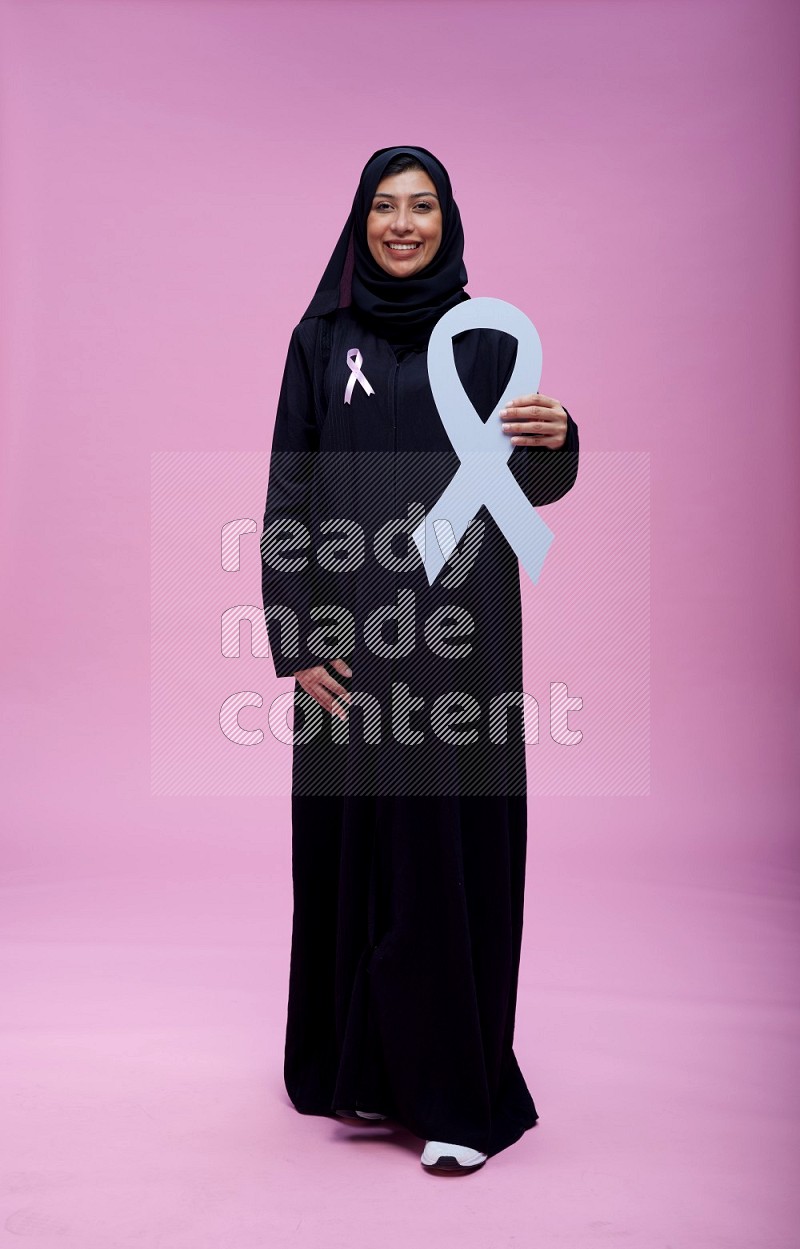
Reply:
x=544, y=474
x=286, y=570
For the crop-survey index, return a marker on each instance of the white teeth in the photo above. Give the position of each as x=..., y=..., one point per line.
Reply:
x=403, y=247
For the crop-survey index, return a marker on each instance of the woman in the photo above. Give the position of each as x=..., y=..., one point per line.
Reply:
x=409, y=825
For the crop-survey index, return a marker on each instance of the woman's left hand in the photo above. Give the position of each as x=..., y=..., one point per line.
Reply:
x=535, y=421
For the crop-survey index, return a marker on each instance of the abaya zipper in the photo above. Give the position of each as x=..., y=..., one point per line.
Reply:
x=393, y=512
x=394, y=436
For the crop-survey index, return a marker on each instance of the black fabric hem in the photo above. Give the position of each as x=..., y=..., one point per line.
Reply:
x=498, y=1140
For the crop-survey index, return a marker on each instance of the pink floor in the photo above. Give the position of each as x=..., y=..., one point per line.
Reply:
x=657, y=1029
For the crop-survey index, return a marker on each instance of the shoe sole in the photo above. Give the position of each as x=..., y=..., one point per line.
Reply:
x=446, y=1164
x=350, y=1116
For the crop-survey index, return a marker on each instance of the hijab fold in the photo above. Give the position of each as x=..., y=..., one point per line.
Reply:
x=402, y=310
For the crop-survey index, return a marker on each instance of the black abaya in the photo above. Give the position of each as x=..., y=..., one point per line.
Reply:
x=408, y=867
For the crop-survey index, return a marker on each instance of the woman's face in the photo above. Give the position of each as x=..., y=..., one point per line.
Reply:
x=404, y=224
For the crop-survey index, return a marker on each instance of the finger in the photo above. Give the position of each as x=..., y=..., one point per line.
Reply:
x=537, y=433
x=323, y=687
x=546, y=412
x=535, y=441
x=546, y=419
x=329, y=683
x=336, y=709
x=532, y=429
x=341, y=666
x=522, y=401
x=329, y=704
x=328, y=701
x=531, y=425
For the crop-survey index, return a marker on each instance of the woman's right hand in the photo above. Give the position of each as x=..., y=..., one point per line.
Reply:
x=323, y=687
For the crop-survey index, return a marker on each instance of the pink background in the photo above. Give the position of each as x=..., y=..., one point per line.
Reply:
x=174, y=175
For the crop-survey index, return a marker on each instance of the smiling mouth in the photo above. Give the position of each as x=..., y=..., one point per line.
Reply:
x=403, y=247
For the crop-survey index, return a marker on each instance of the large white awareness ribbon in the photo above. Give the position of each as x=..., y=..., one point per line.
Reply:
x=354, y=362
x=483, y=476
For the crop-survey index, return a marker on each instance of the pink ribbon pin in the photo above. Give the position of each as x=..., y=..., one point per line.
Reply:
x=354, y=362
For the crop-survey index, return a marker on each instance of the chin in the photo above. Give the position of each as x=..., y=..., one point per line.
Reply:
x=406, y=273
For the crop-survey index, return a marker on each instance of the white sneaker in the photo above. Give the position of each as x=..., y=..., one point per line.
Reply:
x=442, y=1156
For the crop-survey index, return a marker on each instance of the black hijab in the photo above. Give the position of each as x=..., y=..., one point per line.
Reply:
x=402, y=310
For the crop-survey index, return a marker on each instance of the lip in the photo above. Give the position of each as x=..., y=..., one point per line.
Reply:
x=404, y=251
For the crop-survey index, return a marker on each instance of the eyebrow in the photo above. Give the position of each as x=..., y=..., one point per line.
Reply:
x=414, y=195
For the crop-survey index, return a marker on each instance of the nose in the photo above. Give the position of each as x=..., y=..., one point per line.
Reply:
x=402, y=222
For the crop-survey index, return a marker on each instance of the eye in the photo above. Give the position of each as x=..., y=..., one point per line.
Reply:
x=425, y=205
x=377, y=207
